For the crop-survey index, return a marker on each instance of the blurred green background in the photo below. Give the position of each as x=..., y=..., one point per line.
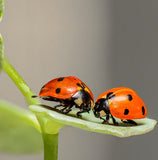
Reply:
x=105, y=43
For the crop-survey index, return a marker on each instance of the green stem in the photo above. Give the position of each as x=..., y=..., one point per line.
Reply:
x=50, y=141
x=19, y=82
x=50, y=146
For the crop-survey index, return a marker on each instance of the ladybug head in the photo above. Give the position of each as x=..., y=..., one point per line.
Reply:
x=101, y=108
x=83, y=100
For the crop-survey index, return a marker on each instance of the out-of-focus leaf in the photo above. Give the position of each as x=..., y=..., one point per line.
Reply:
x=16, y=133
x=1, y=53
x=1, y=8
x=90, y=123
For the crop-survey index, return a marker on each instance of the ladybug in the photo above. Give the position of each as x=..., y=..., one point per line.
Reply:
x=69, y=91
x=123, y=103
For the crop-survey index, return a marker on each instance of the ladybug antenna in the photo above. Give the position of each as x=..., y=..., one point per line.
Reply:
x=34, y=96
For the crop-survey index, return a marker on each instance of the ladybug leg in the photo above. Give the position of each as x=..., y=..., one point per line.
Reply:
x=114, y=121
x=68, y=109
x=106, y=121
x=129, y=121
x=59, y=105
x=62, y=110
x=81, y=111
x=132, y=122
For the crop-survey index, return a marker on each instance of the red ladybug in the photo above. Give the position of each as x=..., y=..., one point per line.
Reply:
x=122, y=103
x=69, y=91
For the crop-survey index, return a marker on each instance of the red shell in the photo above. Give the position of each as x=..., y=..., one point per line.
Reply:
x=63, y=88
x=119, y=103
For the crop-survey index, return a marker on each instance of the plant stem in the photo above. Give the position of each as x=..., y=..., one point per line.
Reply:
x=50, y=136
x=19, y=82
x=50, y=142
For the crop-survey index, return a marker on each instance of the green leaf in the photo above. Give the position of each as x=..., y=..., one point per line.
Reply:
x=1, y=53
x=16, y=132
x=1, y=8
x=90, y=123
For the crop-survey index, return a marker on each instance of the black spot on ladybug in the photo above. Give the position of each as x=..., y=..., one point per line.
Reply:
x=61, y=79
x=58, y=90
x=126, y=111
x=109, y=94
x=78, y=84
x=143, y=110
x=129, y=97
x=112, y=96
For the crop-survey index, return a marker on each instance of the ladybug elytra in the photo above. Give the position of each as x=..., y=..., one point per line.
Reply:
x=69, y=91
x=122, y=103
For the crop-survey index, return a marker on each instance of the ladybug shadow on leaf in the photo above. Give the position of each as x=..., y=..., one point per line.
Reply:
x=57, y=110
x=125, y=123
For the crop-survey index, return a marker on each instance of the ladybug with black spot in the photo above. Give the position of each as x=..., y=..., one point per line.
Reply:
x=69, y=91
x=123, y=103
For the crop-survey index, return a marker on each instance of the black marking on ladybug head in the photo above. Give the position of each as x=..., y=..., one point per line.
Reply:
x=58, y=90
x=78, y=84
x=112, y=96
x=129, y=97
x=143, y=110
x=126, y=112
x=61, y=79
x=83, y=99
x=109, y=94
x=101, y=105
